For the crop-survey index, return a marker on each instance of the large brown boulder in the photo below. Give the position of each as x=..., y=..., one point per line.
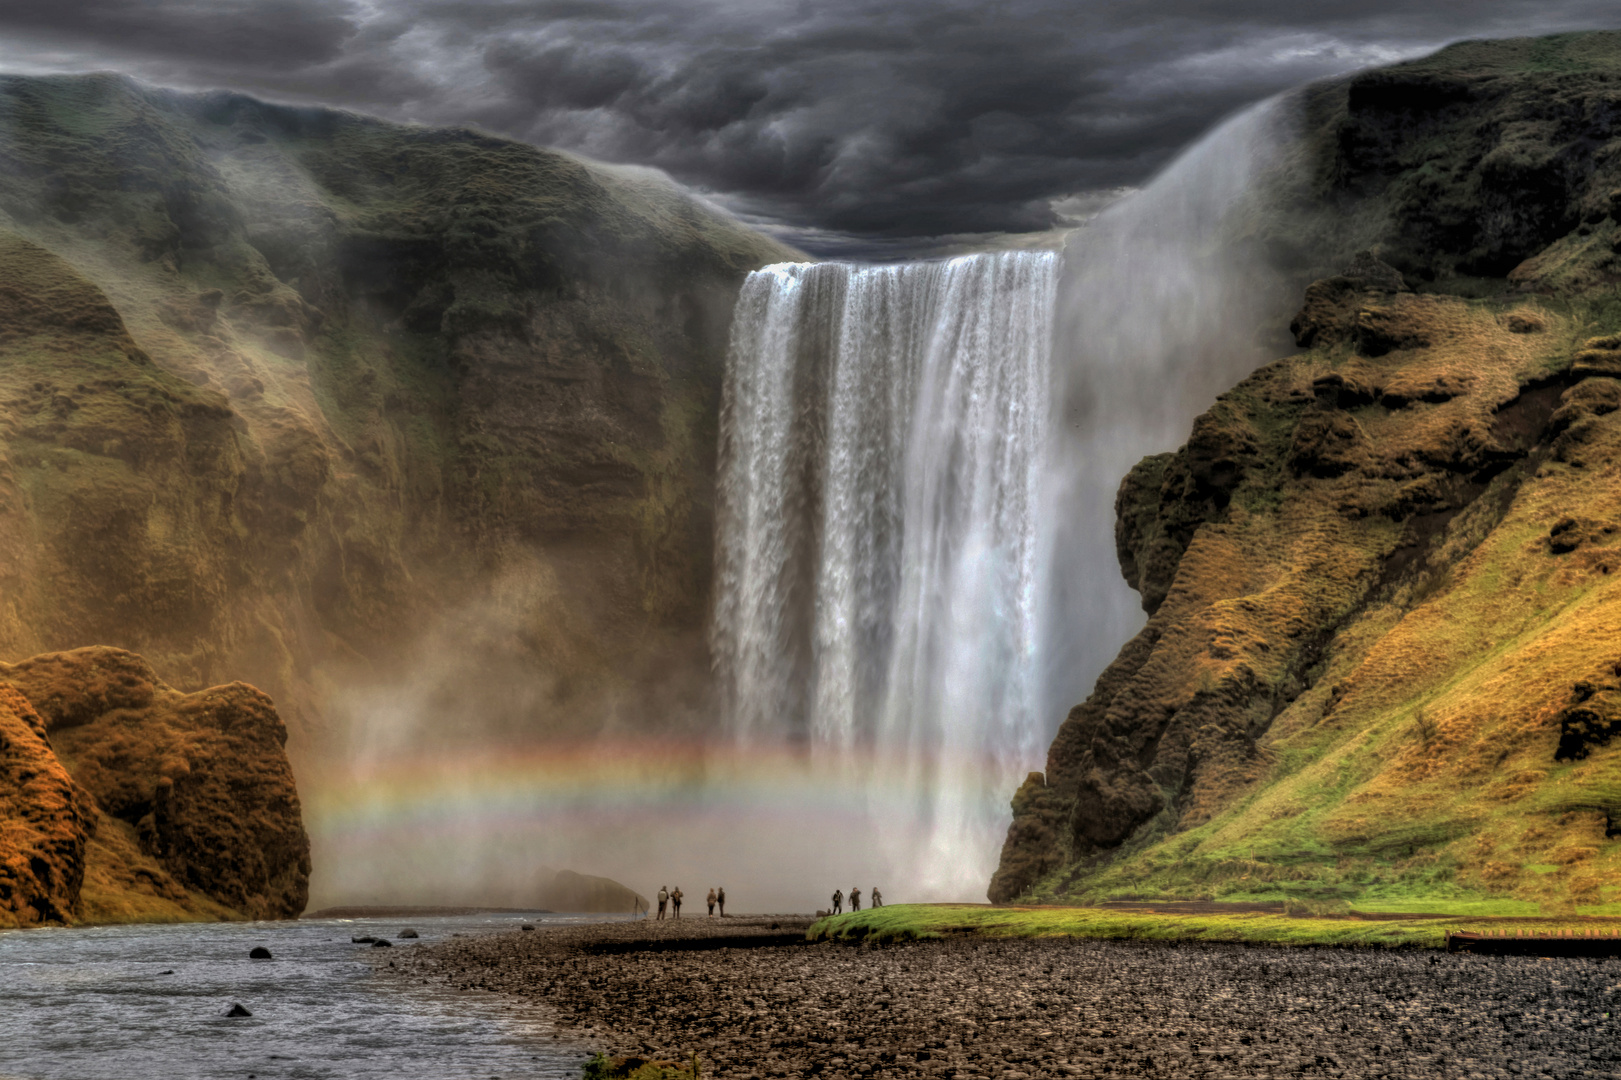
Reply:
x=202, y=778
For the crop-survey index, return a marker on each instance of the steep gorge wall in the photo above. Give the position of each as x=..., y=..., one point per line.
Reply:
x=1381, y=575
x=315, y=401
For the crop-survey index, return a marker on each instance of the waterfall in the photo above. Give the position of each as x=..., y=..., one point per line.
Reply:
x=916, y=567
x=882, y=436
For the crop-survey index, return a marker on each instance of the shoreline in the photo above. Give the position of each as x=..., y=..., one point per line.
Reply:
x=753, y=1007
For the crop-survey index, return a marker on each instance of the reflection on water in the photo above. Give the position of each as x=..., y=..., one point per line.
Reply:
x=100, y=1003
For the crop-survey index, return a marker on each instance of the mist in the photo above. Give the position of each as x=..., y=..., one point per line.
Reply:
x=476, y=768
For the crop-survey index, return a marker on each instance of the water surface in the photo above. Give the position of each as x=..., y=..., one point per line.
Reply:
x=130, y=1002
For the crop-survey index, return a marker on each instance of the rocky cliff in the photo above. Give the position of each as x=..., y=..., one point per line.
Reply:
x=1384, y=574
x=125, y=799
x=411, y=428
x=324, y=403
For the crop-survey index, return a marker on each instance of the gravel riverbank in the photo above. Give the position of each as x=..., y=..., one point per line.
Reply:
x=750, y=1004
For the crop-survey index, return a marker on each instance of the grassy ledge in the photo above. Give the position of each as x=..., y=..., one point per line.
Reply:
x=914, y=922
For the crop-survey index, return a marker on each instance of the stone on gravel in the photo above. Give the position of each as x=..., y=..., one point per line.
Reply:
x=1041, y=1008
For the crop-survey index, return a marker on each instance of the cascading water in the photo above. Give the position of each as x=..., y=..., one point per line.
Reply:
x=916, y=568
x=882, y=443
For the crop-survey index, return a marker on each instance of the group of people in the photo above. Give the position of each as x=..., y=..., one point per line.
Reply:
x=672, y=899
x=855, y=899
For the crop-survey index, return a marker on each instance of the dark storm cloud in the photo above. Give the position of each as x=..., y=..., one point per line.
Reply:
x=250, y=33
x=868, y=119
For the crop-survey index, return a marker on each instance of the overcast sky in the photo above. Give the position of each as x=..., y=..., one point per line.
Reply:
x=841, y=125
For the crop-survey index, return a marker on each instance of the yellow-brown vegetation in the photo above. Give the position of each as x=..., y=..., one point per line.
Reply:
x=131, y=801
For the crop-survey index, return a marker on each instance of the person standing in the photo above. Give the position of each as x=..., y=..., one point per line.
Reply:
x=855, y=898
x=712, y=901
x=720, y=898
x=664, y=898
x=838, y=901
x=675, y=901
x=877, y=898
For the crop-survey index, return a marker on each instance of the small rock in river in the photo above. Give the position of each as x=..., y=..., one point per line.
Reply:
x=169, y=972
x=362, y=940
x=528, y=926
x=237, y=1009
x=259, y=952
x=382, y=943
x=408, y=932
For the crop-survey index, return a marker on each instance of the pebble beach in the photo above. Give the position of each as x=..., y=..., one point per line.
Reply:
x=752, y=1001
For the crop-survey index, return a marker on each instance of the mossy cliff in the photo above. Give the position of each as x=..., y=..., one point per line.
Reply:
x=317, y=401
x=126, y=800
x=1383, y=657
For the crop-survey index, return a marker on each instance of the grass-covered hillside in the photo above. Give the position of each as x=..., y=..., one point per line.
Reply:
x=1383, y=663
x=308, y=399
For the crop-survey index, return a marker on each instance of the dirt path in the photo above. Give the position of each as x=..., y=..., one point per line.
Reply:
x=752, y=1006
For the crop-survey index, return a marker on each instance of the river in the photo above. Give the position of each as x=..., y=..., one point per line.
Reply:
x=126, y=1002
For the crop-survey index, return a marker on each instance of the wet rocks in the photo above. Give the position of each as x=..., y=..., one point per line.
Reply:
x=363, y=939
x=259, y=952
x=408, y=933
x=382, y=943
x=237, y=1009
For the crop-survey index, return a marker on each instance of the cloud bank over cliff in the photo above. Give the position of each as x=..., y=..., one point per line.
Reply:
x=848, y=126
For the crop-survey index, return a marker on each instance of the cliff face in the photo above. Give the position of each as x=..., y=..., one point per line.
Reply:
x=1382, y=573
x=316, y=401
x=130, y=800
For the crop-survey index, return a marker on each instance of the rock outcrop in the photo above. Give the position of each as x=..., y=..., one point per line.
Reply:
x=45, y=822
x=129, y=799
x=1382, y=574
x=566, y=890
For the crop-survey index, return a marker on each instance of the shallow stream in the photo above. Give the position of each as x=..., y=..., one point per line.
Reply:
x=131, y=1002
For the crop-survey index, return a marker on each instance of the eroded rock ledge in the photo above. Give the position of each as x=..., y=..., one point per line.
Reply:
x=125, y=799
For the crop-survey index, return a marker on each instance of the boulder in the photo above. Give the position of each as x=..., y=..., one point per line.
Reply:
x=259, y=952
x=202, y=778
x=237, y=1009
